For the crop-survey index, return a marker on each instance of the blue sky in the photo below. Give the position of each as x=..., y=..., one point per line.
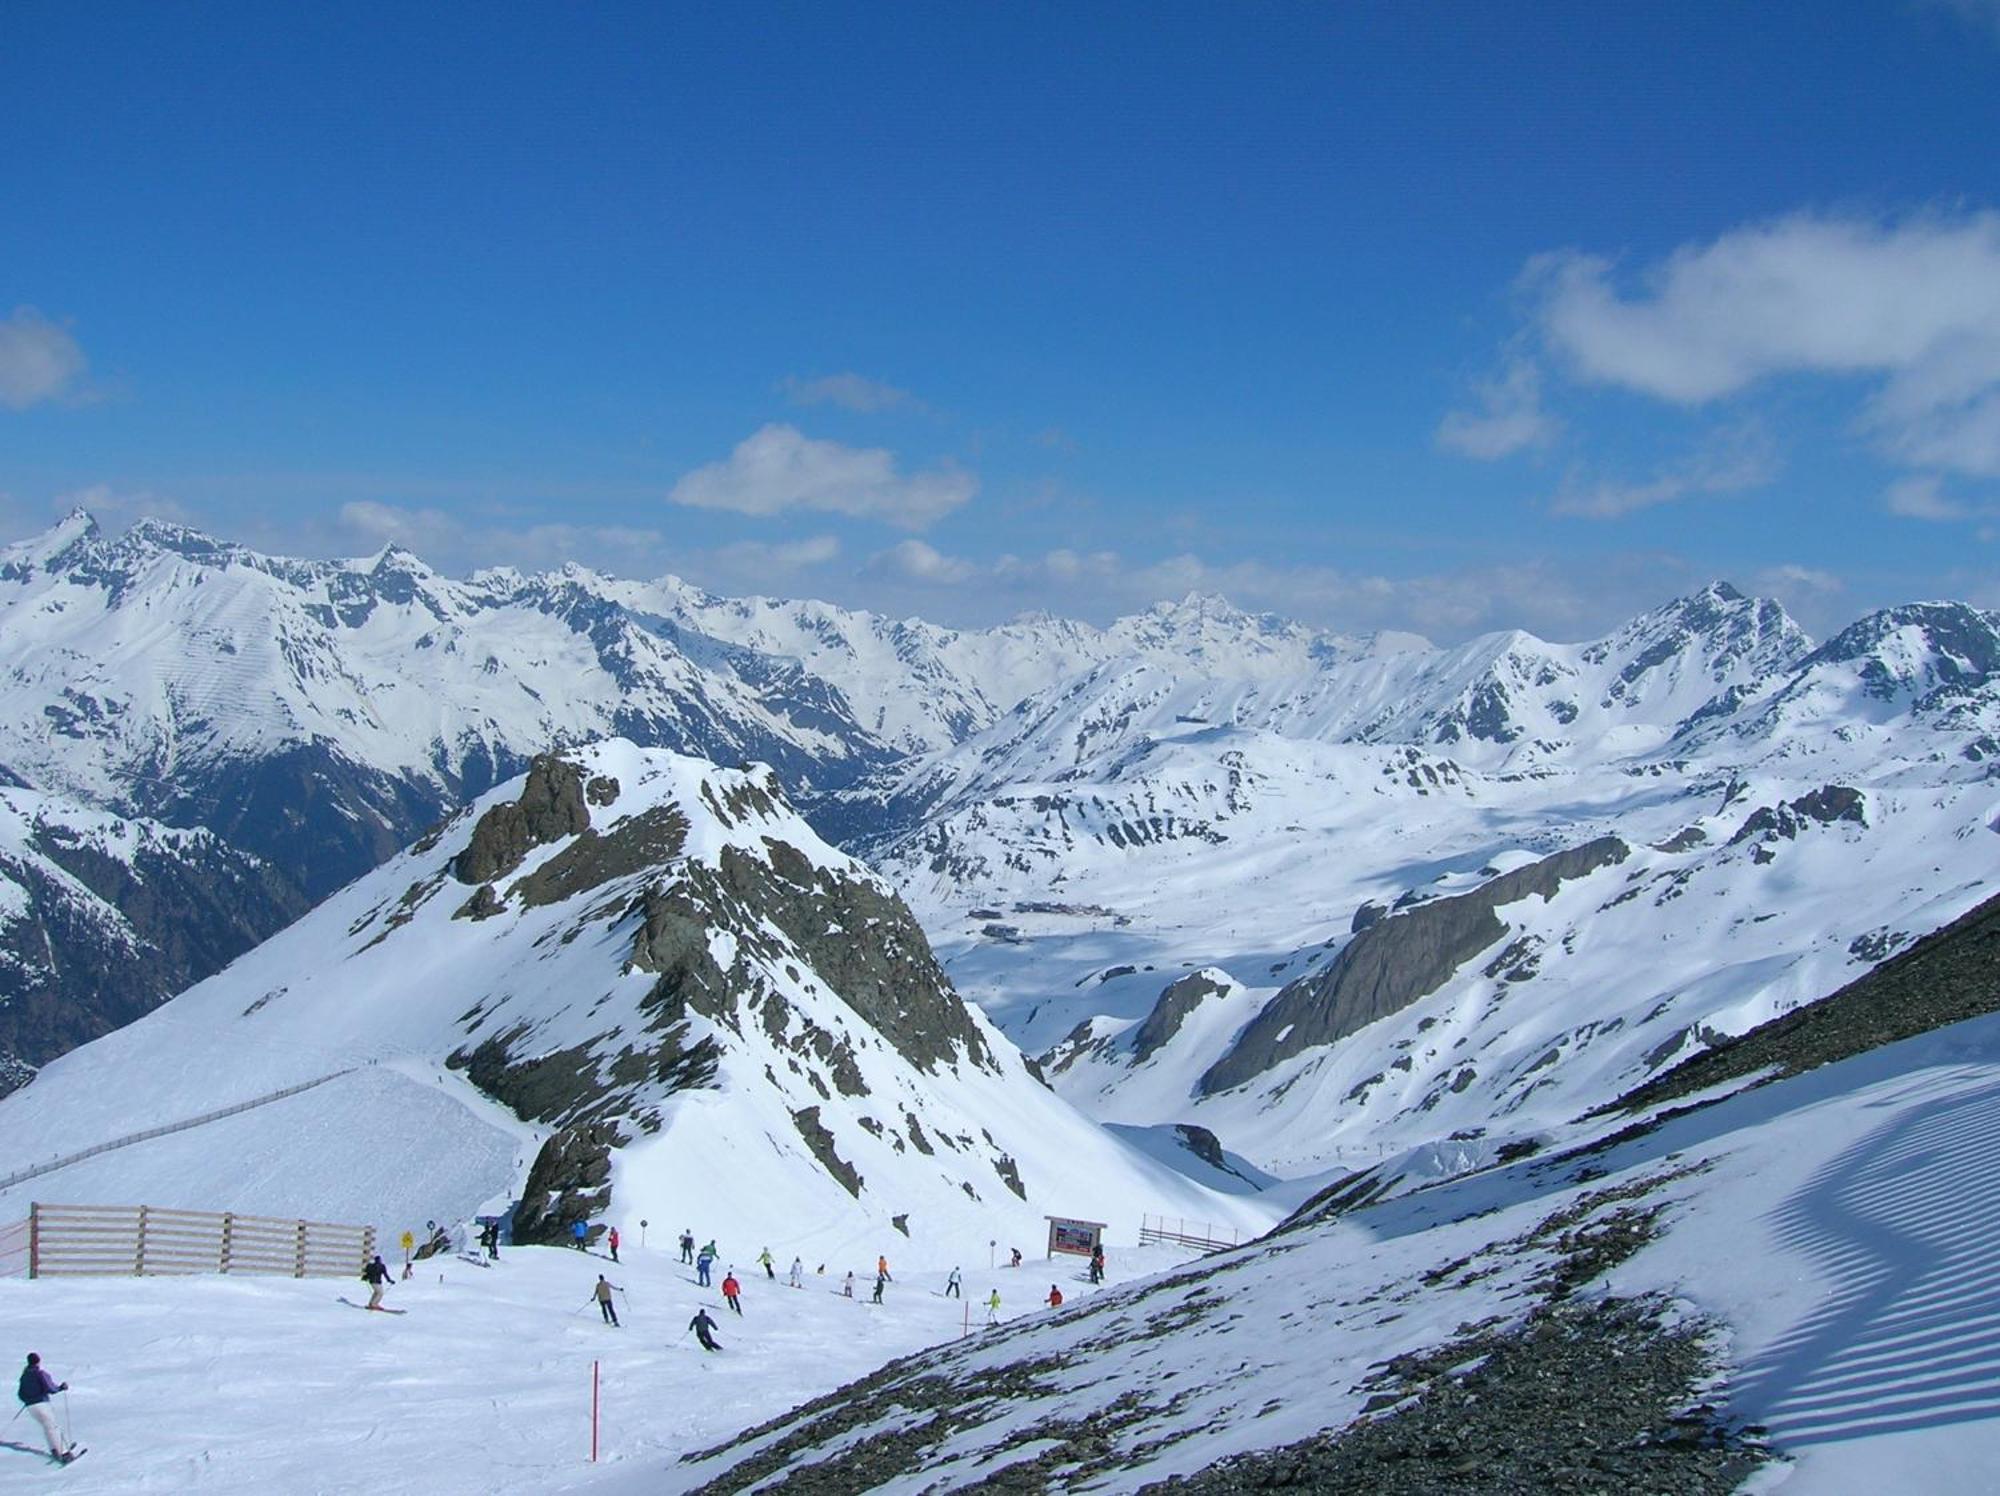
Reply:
x=1443, y=317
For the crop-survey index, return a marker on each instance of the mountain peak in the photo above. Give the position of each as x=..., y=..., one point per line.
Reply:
x=38, y=552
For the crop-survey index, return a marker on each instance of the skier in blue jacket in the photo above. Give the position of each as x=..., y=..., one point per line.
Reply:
x=579, y=1234
x=37, y=1386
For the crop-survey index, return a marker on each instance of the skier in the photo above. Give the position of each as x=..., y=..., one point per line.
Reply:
x=770, y=1272
x=1017, y=1257
x=951, y=1286
x=704, y=1330
x=1055, y=1297
x=687, y=1245
x=710, y=1251
x=730, y=1289
x=489, y=1237
x=993, y=1307
x=847, y=1288
x=604, y=1306
x=880, y=1279
x=579, y=1234
x=701, y=1266
x=1097, y=1263
x=36, y=1386
x=376, y=1276
x=612, y=1242
x=798, y=1273
x=882, y=1268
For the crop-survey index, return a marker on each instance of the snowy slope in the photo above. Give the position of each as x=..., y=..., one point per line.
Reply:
x=1797, y=1233
x=680, y=974
x=1807, y=1257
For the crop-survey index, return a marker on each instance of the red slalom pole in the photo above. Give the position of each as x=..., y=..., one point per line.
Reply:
x=593, y=1412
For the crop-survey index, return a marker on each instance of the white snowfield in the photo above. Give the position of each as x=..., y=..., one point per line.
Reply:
x=1837, y=1223
x=383, y=978
x=482, y=1384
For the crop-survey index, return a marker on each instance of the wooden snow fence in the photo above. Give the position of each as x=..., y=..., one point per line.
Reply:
x=1178, y=1231
x=146, y=1240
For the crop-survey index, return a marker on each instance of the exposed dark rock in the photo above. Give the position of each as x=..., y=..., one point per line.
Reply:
x=1176, y=1002
x=651, y=839
x=1203, y=1144
x=1392, y=963
x=1830, y=803
x=570, y=1181
x=483, y=904
x=546, y=1087
x=550, y=808
x=1367, y=914
x=820, y=1141
x=1009, y=1174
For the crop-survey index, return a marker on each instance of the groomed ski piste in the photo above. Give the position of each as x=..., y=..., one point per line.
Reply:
x=484, y=1382
x=1839, y=1232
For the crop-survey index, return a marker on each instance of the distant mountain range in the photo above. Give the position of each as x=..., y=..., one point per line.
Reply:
x=1437, y=898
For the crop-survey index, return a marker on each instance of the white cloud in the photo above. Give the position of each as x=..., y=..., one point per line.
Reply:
x=759, y=559
x=1790, y=580
x=913, y=561
x=1913, y=305
x=424, y=531
x=1510, y=418
x=849, y=391
x=777, y=469
x=1734, y=460
x=1921, y=496
x=39, y=360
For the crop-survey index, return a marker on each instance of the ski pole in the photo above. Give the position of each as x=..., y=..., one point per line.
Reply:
x=69, y=1424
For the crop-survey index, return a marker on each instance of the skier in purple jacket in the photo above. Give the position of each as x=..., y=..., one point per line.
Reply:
x=37, y=1386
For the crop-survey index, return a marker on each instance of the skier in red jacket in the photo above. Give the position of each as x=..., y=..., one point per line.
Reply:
x=730, y=1289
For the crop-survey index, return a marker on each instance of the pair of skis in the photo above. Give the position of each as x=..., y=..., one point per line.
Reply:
x=378, y=1309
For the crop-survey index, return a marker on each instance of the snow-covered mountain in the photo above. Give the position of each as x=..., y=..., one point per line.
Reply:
x=1451, y=899
x=321, y=714
x=630, y=985
x=1344, y=833
x=103, y=918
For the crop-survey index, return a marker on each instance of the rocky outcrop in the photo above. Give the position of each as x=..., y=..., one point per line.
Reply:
x=570, y=1182
x=1824, y=806
x=1176, y=1003
x=550, y=808
x=1393, y=962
